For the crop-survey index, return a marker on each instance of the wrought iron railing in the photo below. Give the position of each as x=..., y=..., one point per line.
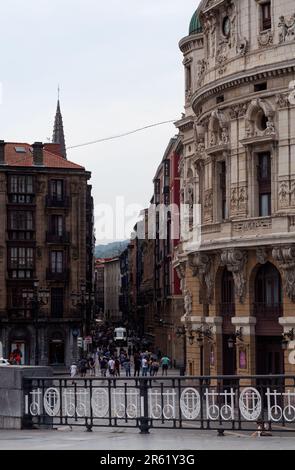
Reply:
x=244, y=403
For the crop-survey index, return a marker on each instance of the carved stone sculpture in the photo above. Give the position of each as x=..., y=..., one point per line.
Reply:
x=285, y=257
x=235, y=260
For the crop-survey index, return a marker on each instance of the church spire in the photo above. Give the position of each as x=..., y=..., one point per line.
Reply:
x=58, y=131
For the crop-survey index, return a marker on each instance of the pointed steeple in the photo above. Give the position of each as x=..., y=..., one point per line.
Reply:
x=58, y=131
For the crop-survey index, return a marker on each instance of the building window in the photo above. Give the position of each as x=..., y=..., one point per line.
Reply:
x=57, y=302
x=21, y=189
x=57, y=225
x=20, y=225
x=188, y=78
x=166, y=181
x=21, y=262
x=264, y=184
x=21, y=220
x=56, y=261
x=57, y=189
x=222, y=190
x=266, y=15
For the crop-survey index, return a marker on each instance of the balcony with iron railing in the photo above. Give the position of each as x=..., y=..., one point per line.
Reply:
x=268, y=311
x=52, y=202
x=57, y=276
x=58, y=238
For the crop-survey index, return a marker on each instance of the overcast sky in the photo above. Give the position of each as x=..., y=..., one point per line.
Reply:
x=119, y=68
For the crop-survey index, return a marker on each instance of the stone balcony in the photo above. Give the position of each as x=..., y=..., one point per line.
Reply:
x=248, y=232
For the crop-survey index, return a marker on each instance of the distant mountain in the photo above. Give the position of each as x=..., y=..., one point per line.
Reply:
x=111, y=249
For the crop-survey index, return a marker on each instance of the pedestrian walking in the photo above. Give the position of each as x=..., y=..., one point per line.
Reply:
x=73, y=370
x=165, y=361
x=83, y=367
x=127, y=367
x=144, y=366
x=111, y=366
x=137, y=364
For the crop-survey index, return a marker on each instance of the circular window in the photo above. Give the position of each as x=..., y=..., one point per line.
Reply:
x=261, y=121
x=226, y=26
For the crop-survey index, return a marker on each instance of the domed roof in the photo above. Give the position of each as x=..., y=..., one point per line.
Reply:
x=195, y=26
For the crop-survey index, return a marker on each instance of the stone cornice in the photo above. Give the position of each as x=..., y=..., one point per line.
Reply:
x=185, y=123
x=238, y=79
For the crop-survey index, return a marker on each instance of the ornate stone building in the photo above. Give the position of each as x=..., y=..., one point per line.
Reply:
x=238, y=163
x=46, y=253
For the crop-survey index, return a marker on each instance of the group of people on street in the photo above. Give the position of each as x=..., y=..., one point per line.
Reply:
x=109, y=363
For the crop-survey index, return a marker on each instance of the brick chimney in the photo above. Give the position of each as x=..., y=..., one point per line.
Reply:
x=2, y=152
x=38, y=154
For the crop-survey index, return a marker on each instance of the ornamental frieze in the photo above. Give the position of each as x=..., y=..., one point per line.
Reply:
x=252, y=225
x=282, y=100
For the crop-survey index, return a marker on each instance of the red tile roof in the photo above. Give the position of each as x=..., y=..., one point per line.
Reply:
x=51, y=158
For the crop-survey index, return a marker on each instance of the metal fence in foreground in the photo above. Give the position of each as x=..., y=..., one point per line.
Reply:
x=243, y=403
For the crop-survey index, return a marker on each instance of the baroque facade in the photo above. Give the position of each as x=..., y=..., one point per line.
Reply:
x=238, y=164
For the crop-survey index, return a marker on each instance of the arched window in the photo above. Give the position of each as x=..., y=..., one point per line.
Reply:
x=268, y=290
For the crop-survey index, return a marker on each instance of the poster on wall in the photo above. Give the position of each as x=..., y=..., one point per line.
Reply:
x=243, y=359
x=18, y=353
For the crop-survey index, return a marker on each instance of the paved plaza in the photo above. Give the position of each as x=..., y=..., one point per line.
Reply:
x=124, y=439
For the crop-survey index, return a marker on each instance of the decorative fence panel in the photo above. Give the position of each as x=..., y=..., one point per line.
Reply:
x=217, y=403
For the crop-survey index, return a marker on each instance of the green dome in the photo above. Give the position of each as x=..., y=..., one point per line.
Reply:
x=195, y=26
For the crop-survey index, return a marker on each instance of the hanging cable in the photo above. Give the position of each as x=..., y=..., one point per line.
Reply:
x=105, y=139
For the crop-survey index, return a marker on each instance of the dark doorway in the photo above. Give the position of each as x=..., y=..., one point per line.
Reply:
x=229, y=357
x=269, y=355
x=56, y=350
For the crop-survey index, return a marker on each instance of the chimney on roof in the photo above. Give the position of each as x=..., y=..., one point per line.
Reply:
x=2, y=152
x=38, y=154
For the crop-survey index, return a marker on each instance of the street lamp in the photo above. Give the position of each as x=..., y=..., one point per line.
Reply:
x=36, y=298
x=181, y=332
x=232, y=340
x=84, y=300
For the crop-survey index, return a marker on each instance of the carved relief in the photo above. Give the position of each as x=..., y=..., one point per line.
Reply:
x=270, y=128
x=261, y=255
x=202, y=267
x=188, y=303
x=208, y=205
x=282, y=100
x=238, y=110
x=287, y=29
x=202, y=68
x=239, y=199
x=265, y=39
x=285, y=257
x=252, y=225
x=284, y=193
x=235, y=261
